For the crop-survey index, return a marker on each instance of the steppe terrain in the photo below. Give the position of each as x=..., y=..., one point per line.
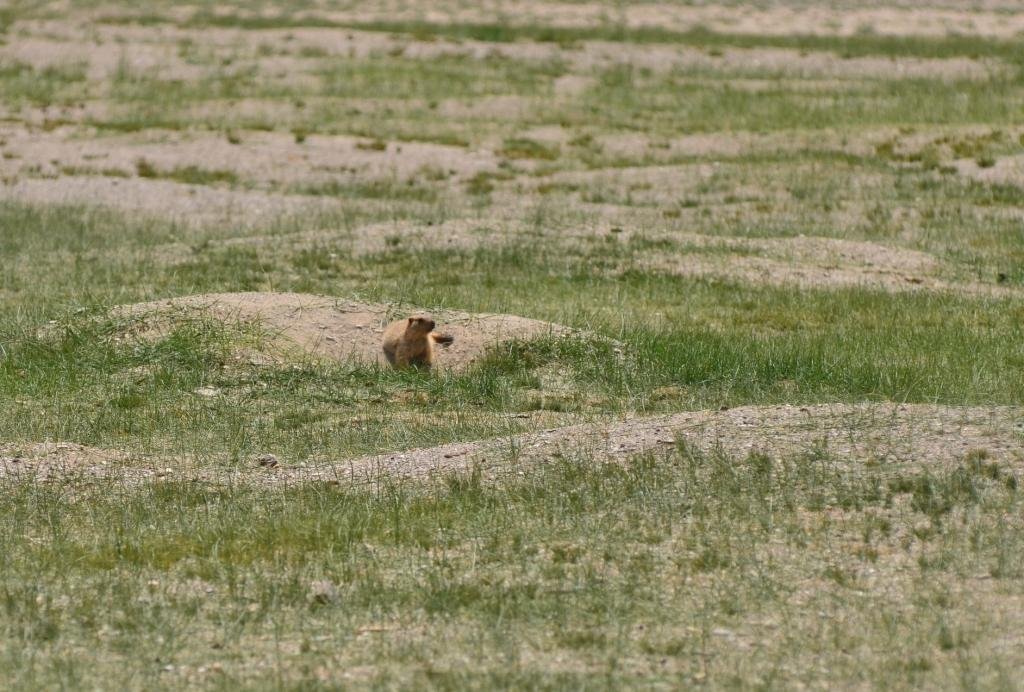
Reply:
x=735, y=398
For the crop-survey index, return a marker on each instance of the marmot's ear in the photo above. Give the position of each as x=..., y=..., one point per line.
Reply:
x=411, y=320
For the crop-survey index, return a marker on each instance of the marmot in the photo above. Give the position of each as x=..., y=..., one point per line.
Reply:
x=411, y=341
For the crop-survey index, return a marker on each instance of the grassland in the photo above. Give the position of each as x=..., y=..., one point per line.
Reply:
x=755, y=221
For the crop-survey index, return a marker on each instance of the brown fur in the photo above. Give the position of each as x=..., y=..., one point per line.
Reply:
x=410, y=342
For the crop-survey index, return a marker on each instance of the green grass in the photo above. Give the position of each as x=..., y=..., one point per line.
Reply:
x=152, y=90
x=666, y=570
x=258, y=22
x=386, y=189
x=387, y=77
x=622, y=99
x=142, y=394
x=388, y=95
x=377, y=76
x=381, y=96
x=52, y=85
x=858, y=45
x=625, y=98
x=191, y=174
x=715, y=343
x=521, y=148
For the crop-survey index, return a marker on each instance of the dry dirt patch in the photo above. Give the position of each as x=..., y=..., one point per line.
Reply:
x=334, y=328
x=815, y=274
x=45, y=461
x=809, y=261
x=192, y=204
x=1007, y=170
x=102, y=60
x=263, y=177
x=778, y=62
x=813, y=262
x=887, y=435
x=267, y=159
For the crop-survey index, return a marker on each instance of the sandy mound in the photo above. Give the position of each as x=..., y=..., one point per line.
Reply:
x=335, y=328
x=888, y=435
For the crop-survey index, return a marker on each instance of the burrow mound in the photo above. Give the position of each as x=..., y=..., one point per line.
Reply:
x=884, y=435
x=334, y=328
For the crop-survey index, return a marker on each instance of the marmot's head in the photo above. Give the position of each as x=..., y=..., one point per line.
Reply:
x=421, y=324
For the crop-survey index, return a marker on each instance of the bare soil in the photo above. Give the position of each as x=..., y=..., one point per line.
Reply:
x=1006, y=170
x=878, y=435
x=1002, y=19
x=815, y=270
x=885, y=438
x=180, y=202
x=260, y=159
x=46, y=461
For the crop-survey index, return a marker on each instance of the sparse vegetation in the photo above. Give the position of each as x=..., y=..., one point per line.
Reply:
x=56, y=84
x=387, y=189
x=520, y=148
x=193, y=175
x=373, y=145
x=583, y=561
